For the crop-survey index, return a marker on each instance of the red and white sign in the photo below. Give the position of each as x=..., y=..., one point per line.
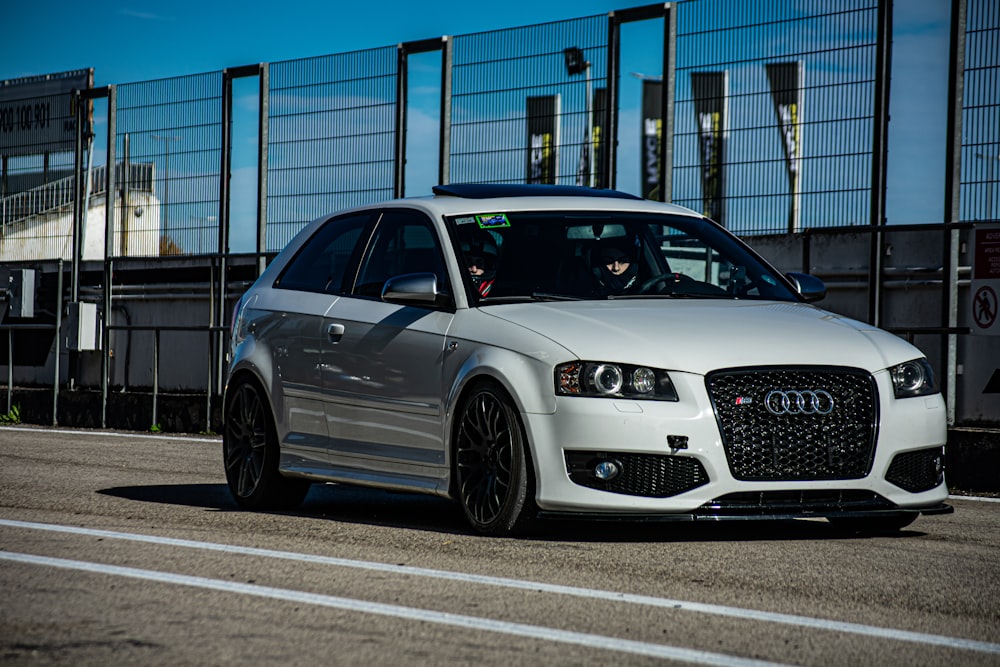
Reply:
x=985, y=286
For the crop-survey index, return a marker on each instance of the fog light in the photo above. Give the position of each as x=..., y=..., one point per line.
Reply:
x=606, y=470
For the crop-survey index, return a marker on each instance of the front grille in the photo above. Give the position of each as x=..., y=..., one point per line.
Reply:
x=917, y=471
x=798, y=503
x=648, y=475
x=761, y=446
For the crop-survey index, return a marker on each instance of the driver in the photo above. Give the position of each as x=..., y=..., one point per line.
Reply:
x=479, y=250
x=616, y=272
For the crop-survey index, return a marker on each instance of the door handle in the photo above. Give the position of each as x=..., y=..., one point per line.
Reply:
x=335, y=332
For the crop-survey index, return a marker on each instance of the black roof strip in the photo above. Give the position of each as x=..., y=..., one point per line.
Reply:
x=491, y=190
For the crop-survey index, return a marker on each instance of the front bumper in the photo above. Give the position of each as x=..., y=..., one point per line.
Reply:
x=629, y=431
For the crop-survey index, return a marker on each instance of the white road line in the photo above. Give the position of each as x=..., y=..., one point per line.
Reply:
x=407, y=613
x=677, y=605
x=210, y=440
x=979, y=499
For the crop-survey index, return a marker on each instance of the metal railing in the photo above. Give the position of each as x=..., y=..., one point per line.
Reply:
x=59, y=195
x=212, y=331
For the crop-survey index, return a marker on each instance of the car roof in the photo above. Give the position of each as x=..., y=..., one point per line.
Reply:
x=465, y=199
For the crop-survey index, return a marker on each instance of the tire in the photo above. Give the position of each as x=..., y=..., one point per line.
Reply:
x=250, y=453
x=874, y=524
x=493, y=482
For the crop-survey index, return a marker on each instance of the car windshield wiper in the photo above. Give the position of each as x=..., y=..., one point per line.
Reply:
x=672, y=295
x=534, y=296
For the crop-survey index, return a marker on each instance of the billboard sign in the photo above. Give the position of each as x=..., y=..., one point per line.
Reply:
x=37, y=114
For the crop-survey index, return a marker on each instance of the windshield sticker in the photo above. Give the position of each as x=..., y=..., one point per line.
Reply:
x=465, y=221
x=493, y=220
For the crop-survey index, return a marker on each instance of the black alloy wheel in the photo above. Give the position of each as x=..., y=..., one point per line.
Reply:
x=250, y=453
x=491, y=467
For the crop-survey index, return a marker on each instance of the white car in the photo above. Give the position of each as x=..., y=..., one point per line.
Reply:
x=548, y=351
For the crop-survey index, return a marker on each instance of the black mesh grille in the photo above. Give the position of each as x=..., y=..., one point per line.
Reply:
x=649, y=475
x=764, y=446
x=917, y=471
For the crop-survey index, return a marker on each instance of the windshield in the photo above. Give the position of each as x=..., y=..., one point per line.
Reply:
x=547, y=255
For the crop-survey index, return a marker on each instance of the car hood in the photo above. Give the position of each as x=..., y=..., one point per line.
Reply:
x=699, y=336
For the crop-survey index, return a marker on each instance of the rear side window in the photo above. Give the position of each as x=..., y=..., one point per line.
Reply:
x=321, y=264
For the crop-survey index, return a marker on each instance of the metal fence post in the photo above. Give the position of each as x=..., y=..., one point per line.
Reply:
x=952, y=203
x=883, y=68
x=10, y=369
x=58, y=346
x=156, y=370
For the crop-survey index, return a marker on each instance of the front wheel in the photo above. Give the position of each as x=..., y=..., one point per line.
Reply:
x=493, y=481
x=250, y=452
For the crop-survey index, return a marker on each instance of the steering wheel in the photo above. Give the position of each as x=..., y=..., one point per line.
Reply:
x=664, y=283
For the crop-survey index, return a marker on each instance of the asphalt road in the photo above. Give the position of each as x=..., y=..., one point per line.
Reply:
x=127, y=549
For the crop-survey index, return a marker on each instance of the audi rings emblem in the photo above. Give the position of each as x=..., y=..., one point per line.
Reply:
x=807, y=402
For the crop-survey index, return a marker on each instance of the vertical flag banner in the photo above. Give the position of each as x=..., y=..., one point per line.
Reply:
x=710, y=91
x=588, y=164
x=543, y=137
x=650, y=160
x=786, y=81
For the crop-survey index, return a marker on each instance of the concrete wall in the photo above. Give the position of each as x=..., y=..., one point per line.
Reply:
x=50, y=235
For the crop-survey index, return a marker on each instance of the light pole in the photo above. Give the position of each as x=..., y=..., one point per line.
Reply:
x=577, y=64
x=166, y=177
x=990, y=162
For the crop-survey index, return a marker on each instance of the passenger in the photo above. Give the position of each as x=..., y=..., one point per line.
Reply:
x=616, y=272
x=479, y=249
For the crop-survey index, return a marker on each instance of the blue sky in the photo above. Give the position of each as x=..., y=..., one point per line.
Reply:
x=126, y=42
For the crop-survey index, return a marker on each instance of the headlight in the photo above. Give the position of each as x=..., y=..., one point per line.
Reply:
x=913, y=378
x=609, y=380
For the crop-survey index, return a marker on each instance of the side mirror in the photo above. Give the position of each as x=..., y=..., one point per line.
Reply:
x=810, y=287
x=413, y=289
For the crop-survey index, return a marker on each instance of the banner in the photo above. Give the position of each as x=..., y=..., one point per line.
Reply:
x=710, y=91
x=37, y=115
x=596, y=132
x=650, y=160
x=543, y=138
x=786, y=81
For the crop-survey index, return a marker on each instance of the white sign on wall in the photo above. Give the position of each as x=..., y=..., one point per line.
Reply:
x=985, y=288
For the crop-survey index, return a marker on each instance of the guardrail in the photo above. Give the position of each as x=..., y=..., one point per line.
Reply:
x=212, y=332
x=10, y=329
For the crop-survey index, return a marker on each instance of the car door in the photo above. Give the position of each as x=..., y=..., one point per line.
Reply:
x=295, y=309
x=382, y=362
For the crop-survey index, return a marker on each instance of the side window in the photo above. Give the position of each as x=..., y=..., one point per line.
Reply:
x=322, y=262
x=404, y=242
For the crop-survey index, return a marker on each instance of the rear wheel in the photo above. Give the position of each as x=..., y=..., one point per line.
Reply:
x=250, y=452
x=493, y=481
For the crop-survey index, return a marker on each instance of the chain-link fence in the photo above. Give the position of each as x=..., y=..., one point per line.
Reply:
x=776, y=115
x=174, y=125
x=980, y=160
x=331, y=136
